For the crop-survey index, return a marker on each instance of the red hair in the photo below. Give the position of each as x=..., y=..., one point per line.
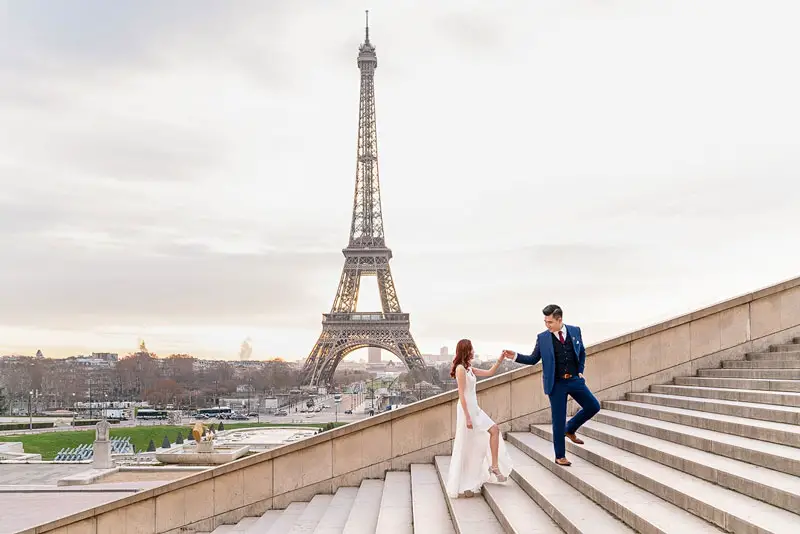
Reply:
x=463, y=356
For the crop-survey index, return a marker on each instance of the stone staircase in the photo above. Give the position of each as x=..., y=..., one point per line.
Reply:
x=717, y=452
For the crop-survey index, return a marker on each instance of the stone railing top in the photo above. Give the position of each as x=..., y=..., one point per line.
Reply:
x=408, y=410
x=692, y=316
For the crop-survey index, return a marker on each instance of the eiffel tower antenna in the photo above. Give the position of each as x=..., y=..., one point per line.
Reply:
x=344, y=329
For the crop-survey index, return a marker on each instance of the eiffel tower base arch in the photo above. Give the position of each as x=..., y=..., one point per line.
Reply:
x=343, y=333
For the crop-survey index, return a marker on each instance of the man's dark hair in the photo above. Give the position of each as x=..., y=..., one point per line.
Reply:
x=554, y=310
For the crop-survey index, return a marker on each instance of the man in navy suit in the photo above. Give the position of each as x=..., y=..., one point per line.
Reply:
x=561, y=350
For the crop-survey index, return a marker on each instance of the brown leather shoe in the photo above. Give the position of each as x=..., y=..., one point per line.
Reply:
x=574, y=439
x=563, y=462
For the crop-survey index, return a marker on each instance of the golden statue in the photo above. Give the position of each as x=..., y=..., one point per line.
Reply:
x=198, y=431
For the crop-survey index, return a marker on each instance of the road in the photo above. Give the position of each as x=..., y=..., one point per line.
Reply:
x=357, y=403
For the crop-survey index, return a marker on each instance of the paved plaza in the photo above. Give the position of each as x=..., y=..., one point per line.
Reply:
x=30, y=495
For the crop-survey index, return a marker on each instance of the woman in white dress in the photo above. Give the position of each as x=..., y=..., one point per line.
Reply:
x=479, y=451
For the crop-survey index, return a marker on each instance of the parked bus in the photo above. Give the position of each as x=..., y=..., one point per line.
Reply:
x=147, y=413
x=215, y=412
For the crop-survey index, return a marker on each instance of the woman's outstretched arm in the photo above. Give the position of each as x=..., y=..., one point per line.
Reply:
x=490, y=372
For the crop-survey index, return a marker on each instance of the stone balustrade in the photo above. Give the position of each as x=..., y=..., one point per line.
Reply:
x=416, y=433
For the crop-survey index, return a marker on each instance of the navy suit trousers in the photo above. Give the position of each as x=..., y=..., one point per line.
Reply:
x=576, y=388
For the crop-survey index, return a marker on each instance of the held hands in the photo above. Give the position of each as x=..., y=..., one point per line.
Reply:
x=469, y=422
x=508, y=354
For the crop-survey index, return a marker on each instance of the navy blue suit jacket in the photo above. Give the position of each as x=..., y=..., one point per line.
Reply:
x=544, y=351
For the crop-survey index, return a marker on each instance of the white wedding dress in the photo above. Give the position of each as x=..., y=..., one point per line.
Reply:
x=472, y=457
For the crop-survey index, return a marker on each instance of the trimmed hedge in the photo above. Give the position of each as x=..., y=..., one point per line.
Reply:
x=24, y=426
x=92, y=422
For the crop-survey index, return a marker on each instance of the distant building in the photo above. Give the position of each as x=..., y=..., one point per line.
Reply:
x=443, y=356
x=107, y=356
x=374, y=355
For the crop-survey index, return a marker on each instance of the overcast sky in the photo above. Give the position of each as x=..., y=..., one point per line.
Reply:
x=183, y=171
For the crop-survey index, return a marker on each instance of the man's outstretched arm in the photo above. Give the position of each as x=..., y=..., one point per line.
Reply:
x=527, y=359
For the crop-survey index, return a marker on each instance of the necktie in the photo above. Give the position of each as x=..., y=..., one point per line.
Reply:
x=561, y=336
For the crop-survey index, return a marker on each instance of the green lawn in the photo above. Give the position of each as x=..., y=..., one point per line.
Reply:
x=49, y=443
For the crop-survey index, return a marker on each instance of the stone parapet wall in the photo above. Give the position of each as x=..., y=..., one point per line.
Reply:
x=418, y=432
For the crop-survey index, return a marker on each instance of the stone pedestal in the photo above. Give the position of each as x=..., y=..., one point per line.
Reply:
x=205, y=446
x=101, y=456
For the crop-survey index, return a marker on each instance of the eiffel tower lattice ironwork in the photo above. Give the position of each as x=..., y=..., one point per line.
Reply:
x=344, y=329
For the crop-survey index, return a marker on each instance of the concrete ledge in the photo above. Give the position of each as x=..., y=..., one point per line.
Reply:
x=86, y=477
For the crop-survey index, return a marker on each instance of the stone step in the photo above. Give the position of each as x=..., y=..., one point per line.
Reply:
x=428, y=503
x=770, y=455
x=780, y=433
x=773, y=487
x=245, y=524
x=775, y=374
x=396, y=515
x=785, y=347
x=638, y=509
x=470, y=515
x=763, y=412
x=226, y=529
x=363, y=518
x=754, y=356
x=566, y=506
x=309, y=519
x=761, y=364
x=727, y=509
x=263, y=523
x=739, y=383
x=742, y=395
x=286, y=520
x=337, y=512
x=514, y=508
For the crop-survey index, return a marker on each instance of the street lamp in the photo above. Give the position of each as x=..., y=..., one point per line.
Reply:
x=30, y=411
x=336, y=403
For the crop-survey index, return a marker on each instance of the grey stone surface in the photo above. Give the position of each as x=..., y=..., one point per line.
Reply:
x=396, y=513
x=516, y=511
x=566, y=506
x=781, y=398
x=771, y=486
x=783, y=355
x=265, y=522
x=313, y=512
x=470, y=515
x=284, y=522
x=764, y=412
x=37, y=474
x=363, y=518
x=740, y=426
x=772, y=374
x=740, y=383
x=431, y=515
x=770, y=455
x=639, y=509
x=338, y=511
x=762, y=364
x=728, y=509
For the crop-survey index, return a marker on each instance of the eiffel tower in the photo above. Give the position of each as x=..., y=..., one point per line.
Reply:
x=343, y=329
